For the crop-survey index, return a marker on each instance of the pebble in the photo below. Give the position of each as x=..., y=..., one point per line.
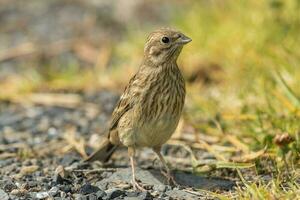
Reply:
x=53, y=191
x=88, y=189
x=114, y=193
x=138, y=196
x=159, y=188
x=132, y=194
x=6, y=162
x=92, y=197
x=28, y=169
x=69, y=159
x=3, y=195
x=41, y=195
x=58, y=180
x=86, y=197
x=32, y=184
x=9, y=186
x=63, y=194
x=145, y=196
x=18, y=192
x=103, y=186
x=66, y=188
x=100, y=194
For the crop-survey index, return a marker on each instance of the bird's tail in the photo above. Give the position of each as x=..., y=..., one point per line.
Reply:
x=103, y=153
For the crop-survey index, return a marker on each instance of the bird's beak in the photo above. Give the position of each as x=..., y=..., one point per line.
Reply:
x=183, y=39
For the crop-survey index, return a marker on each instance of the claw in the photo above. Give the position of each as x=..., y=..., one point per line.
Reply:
x=170, y=178
x=137, y=186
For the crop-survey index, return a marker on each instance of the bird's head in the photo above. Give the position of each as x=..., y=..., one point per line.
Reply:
x=164, y=45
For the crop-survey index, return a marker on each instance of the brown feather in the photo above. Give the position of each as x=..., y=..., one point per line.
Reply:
x=150, y=107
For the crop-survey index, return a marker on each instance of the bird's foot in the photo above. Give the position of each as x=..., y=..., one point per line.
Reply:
x=170, y=178
x=137, y=186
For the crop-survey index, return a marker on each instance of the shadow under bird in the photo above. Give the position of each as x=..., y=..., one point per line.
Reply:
x=150, y=107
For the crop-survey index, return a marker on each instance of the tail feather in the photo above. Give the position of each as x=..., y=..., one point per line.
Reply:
x=103, y=153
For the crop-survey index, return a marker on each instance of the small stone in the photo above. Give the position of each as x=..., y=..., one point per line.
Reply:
x=124, y=186
x=58, y=180
x=66, y=188
x=103, y=186
x=3, y=195
x=68, y=160
x=27, y=163
x=9, y=186
x=78, y=196
x=41, y=195
x=91, y=197
x=138, y=196
x=28, y=169
x=17, y=176
x=145, y=196
x=88, y=189
x=60, y=170
x=32, y=184
x=132, y=194
x=18, y=192
x=180, y=194
x=114, y=193
x=63, y=194
x=86, y=197
x=53, y=191
x=159, y=188
x=100, y=194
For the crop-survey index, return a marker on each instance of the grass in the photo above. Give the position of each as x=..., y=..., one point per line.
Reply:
x=251, y=96
x=257, y=94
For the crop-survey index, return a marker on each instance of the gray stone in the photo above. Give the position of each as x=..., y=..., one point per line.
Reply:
x=42, y=195
x=155, y=178
x=138, y=196
x=160, y=188
x=179, y=194
x=145, y=196
x=132, y=198
x=9, y=186
x=91, y=197
x=3, y=195
x=88, y=189
x=53, y=191
x=114, y=193
x=100, y=194
x=145, y=176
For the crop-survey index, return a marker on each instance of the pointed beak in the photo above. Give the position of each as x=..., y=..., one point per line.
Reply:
x=183, y=39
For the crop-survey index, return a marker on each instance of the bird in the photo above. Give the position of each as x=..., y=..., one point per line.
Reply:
x=150, y=107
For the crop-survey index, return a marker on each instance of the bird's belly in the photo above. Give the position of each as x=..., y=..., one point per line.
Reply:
x=156, y=132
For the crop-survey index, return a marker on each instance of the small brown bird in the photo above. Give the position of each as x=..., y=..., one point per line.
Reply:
x=149, y=109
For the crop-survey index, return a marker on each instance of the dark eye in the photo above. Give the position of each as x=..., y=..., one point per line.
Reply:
x=165, y=40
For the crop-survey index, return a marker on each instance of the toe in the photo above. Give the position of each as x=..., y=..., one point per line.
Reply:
x=137, y=186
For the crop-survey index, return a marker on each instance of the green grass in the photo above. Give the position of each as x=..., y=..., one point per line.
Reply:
x=256, y=44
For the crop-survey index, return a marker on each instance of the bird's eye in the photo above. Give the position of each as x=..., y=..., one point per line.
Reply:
x=165, y=40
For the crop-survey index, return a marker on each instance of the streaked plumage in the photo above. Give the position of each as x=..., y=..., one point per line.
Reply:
x=150, y=107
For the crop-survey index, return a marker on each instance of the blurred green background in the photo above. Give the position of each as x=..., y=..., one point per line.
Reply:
x=242, y=68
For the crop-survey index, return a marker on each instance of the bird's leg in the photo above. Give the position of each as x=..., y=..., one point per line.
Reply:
x=168, y=175
x=135, y=184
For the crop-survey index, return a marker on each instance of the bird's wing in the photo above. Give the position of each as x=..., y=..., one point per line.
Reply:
x=126, y=102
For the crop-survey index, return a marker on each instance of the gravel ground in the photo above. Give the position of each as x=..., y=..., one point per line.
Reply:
x=38, y=161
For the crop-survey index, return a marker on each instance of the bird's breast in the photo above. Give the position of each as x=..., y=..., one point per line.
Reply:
x=160, y=108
